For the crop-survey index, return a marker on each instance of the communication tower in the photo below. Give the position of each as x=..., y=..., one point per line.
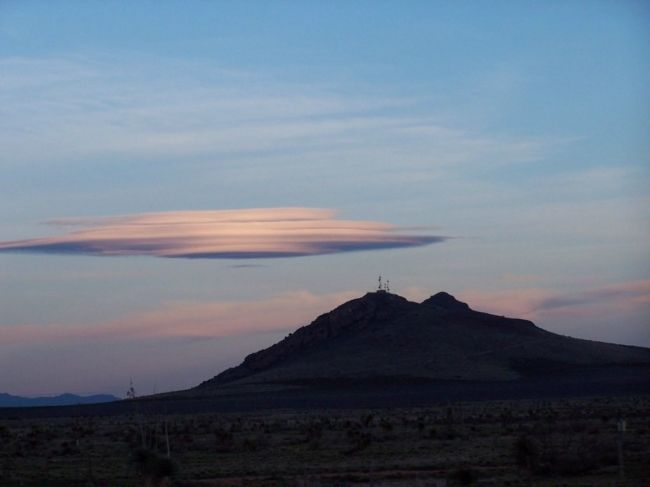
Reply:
x=383, y=287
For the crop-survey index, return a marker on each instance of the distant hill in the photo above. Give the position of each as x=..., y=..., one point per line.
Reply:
x=7, y=400
x=382, y=338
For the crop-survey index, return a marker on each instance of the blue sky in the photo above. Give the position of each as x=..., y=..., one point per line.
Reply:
x=518, y=129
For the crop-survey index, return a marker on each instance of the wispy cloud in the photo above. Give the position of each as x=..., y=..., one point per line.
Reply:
x=175, y=345
x=74, y=110
x=538, y=303
x=188, y=320
x=617, y=313
x=622, y=295
x=224, y=234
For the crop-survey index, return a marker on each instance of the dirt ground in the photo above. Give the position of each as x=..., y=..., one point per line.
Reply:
x=525, y=442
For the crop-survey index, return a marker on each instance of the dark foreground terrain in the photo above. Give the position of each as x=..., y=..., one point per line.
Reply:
x=543, y=442
x=379, y=393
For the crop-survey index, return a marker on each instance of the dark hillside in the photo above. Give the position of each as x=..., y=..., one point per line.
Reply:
x=384, y=337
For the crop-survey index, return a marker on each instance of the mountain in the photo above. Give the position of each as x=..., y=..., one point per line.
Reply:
x=383, y=351
x=384, y=338
x=7, y=400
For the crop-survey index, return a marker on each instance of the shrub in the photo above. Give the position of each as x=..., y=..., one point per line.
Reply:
x=225, y=440
x=313, y=434
x=153, y=467
x=526, y=452
x=464, y=476
x=250, y=444
x=359, y=440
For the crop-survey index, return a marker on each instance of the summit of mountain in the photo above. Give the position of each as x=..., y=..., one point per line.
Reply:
x=446, y=301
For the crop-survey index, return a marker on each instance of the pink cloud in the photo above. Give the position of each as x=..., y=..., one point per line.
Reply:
x=188, y=319
x=225, y=234
x=200, y=319
x=535, y=303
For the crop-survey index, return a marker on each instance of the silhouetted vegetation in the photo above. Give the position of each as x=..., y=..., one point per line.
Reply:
x=567, y=442
x=464, y=476
x=153, y=468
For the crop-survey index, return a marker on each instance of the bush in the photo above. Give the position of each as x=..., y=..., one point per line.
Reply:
x=359, y=440
x=153, y=467
x=526, y=452
x=5, y=434
x=224, y=439
x=464, y=476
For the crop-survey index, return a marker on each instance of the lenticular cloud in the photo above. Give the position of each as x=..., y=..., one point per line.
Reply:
x=223, y=234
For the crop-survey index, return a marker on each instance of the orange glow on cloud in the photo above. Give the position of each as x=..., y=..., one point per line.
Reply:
x=227, y=234
x=189, y=319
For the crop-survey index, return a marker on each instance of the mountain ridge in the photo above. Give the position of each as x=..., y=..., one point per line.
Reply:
x=384, y=336
x=65, y=399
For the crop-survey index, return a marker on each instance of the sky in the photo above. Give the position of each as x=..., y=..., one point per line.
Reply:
x=184, y=183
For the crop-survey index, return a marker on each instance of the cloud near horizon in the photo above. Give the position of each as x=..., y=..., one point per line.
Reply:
x=615, y=313
x=536, y=303
x=255, y=233
x=187, y=320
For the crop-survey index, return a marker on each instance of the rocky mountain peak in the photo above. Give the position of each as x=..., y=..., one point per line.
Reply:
x=446, y=301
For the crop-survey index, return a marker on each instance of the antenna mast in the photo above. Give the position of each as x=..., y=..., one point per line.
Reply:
x=379, y=287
